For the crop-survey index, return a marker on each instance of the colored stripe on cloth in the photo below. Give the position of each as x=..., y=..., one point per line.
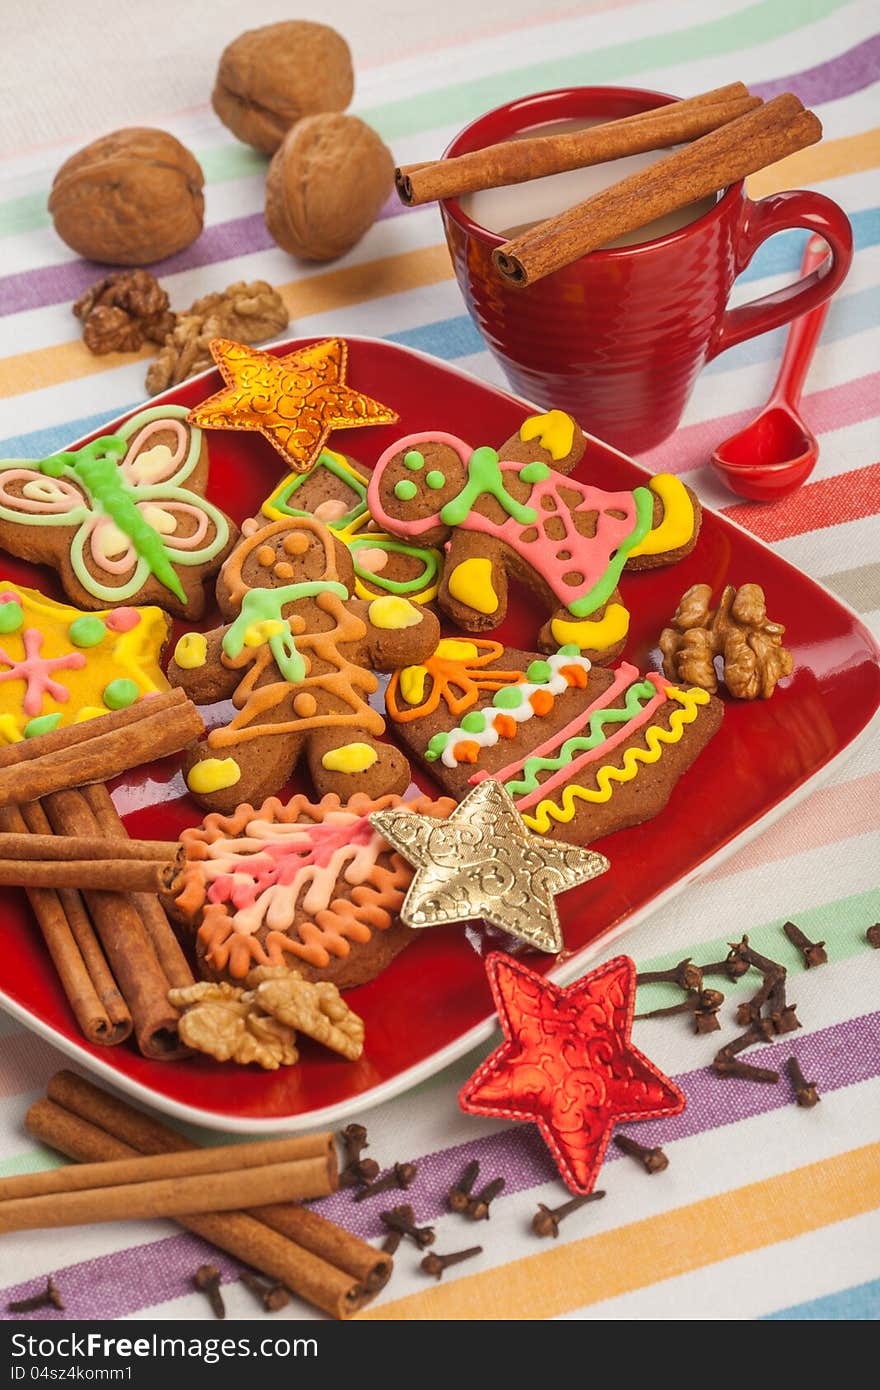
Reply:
x=838, y=77
x=827, y=503
x=858, y=1304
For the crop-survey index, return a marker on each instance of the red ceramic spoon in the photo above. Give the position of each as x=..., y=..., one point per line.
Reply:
x=776, y=452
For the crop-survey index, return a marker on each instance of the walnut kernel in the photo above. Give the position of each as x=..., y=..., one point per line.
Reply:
x=739, y=631
x=270, y=78
x=246, y=313
x=121, y=311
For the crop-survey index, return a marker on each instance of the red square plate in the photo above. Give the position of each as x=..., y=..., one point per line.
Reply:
x=433, y=1003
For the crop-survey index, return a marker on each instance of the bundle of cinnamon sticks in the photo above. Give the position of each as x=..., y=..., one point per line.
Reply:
x=93, y=891
x=731, y=133
x=236, y=1197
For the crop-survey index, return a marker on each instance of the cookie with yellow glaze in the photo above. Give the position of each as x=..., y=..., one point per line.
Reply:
x=296, y=654
x=303, y=884
x=60, y=665
x=583, y=750
x=515, y=512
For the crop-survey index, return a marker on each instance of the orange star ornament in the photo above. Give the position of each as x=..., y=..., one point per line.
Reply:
x=294, y=401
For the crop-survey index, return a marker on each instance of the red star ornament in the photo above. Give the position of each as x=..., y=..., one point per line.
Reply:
x=568, y=1064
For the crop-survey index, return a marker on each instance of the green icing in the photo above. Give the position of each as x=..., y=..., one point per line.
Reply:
x=604, y=587
x=43, y=724
x=474, y=723
x=508, y=697
x=484, y=477
x=570, y=649
x=265, y=605
x=11, y=616
x=430, y=560
x=414, y=460
x=87, y=631
x=121, y=693
x=405, y=490
x=435, y=479
x=643, y=690
x=539, y=672
x=281, y=501
x=534, y=472
x=435, y=747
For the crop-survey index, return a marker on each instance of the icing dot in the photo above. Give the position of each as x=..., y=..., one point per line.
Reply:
x=11, y=616
x=297, y=543
x=414, y=460
x=353, y=757
x=538, y=672
x=266, y=555
x=123, y=619
x=435, y=479
x=534, y=472
x=405, y=490
x=212, y=775
x=393, y=612
x=436, y=746
x=570, y=649
x=371, y=559
x=43, y=724
x=283, y=570
x=305, y=705
x=87, y=631
x=330, y=510
x=121, y=693
x=509, y=697
x=191, y=651
x=474, y=723
x=471, y=583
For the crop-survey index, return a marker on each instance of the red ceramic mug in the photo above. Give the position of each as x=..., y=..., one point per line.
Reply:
x=618, y=337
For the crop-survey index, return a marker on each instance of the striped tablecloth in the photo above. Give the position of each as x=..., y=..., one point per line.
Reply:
x=766, y=1210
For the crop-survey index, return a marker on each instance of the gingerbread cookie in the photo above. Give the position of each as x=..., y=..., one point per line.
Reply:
x=568, y=540
x=335, y=492
x=297, y=658
x=123, y=519
x=59, y=665
x=583, y=751
x=304, y=885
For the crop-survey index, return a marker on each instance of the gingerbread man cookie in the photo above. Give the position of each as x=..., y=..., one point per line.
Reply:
x=296, y=657
x=115, y=519
x=501, y=516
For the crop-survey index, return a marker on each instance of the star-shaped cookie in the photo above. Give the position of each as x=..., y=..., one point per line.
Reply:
x=567, y=1063
x=295, y=401
x=483, y=863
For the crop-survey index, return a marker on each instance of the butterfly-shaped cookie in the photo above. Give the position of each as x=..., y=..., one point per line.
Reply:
x=123, y=518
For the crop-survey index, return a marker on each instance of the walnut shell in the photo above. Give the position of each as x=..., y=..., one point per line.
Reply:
x=129, y=198
x=326, y=185
x=270, y=78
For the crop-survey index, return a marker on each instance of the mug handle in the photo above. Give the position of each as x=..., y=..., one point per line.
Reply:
x=777, y=213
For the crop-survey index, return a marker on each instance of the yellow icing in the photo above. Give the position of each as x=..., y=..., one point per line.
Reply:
x=655, y=737
x=412, y=684
x=353, y=757
x=213, y=775
x=191, y=651
x=88, y=712
x=258, y=633
x=119, y=655
x=677, y=525
x=393, y=612
x=597, y=635
x=553, y=431
x=471, y=583
x=9, y=731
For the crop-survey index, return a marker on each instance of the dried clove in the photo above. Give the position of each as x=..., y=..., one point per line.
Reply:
x=356, y=1171
x=702, y=1003
x=652, y=1160
x=435, y=1264
x=402, y=1221
x=872, y=936
x=207, y=1281
x=401, y=1175
x=806, y=1092
x=460, y=1194
x=729, y=1066
x=50, y=1298
x=477, y=1208
x=272, y=1296
x=686, y=975
x=391, y=1242
x=546, y=1220
x=813, y=952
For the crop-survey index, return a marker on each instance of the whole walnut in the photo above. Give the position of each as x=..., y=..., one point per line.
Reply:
x=270, y=78
x=326, y=185
x=129, y=198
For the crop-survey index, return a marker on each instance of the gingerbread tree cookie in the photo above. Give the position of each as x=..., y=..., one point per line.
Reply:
x=297, y=657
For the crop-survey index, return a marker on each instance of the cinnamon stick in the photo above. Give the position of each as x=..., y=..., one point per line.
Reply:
x=147, y=905
x=519, y=161
x=247, y=1239
x=763, y=136
x=108, y=875
x=14, y=845
x=88, y=997
x=125, y=941
x=70, y=735
x=36, y=821
x=155, y=734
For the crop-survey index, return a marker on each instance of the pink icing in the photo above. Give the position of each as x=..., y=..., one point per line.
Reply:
x=193, y=541
x=154, y=427
x=65, y=497
x=123, y=620
x=410, y=441
x=35, y=670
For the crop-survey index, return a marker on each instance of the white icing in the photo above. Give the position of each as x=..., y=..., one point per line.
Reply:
x=488, y=737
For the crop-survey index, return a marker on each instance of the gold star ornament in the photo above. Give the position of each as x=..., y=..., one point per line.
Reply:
x=294, y=401
x=483, y=863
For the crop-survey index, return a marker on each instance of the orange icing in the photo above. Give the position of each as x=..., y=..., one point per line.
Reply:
x=449, y=675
